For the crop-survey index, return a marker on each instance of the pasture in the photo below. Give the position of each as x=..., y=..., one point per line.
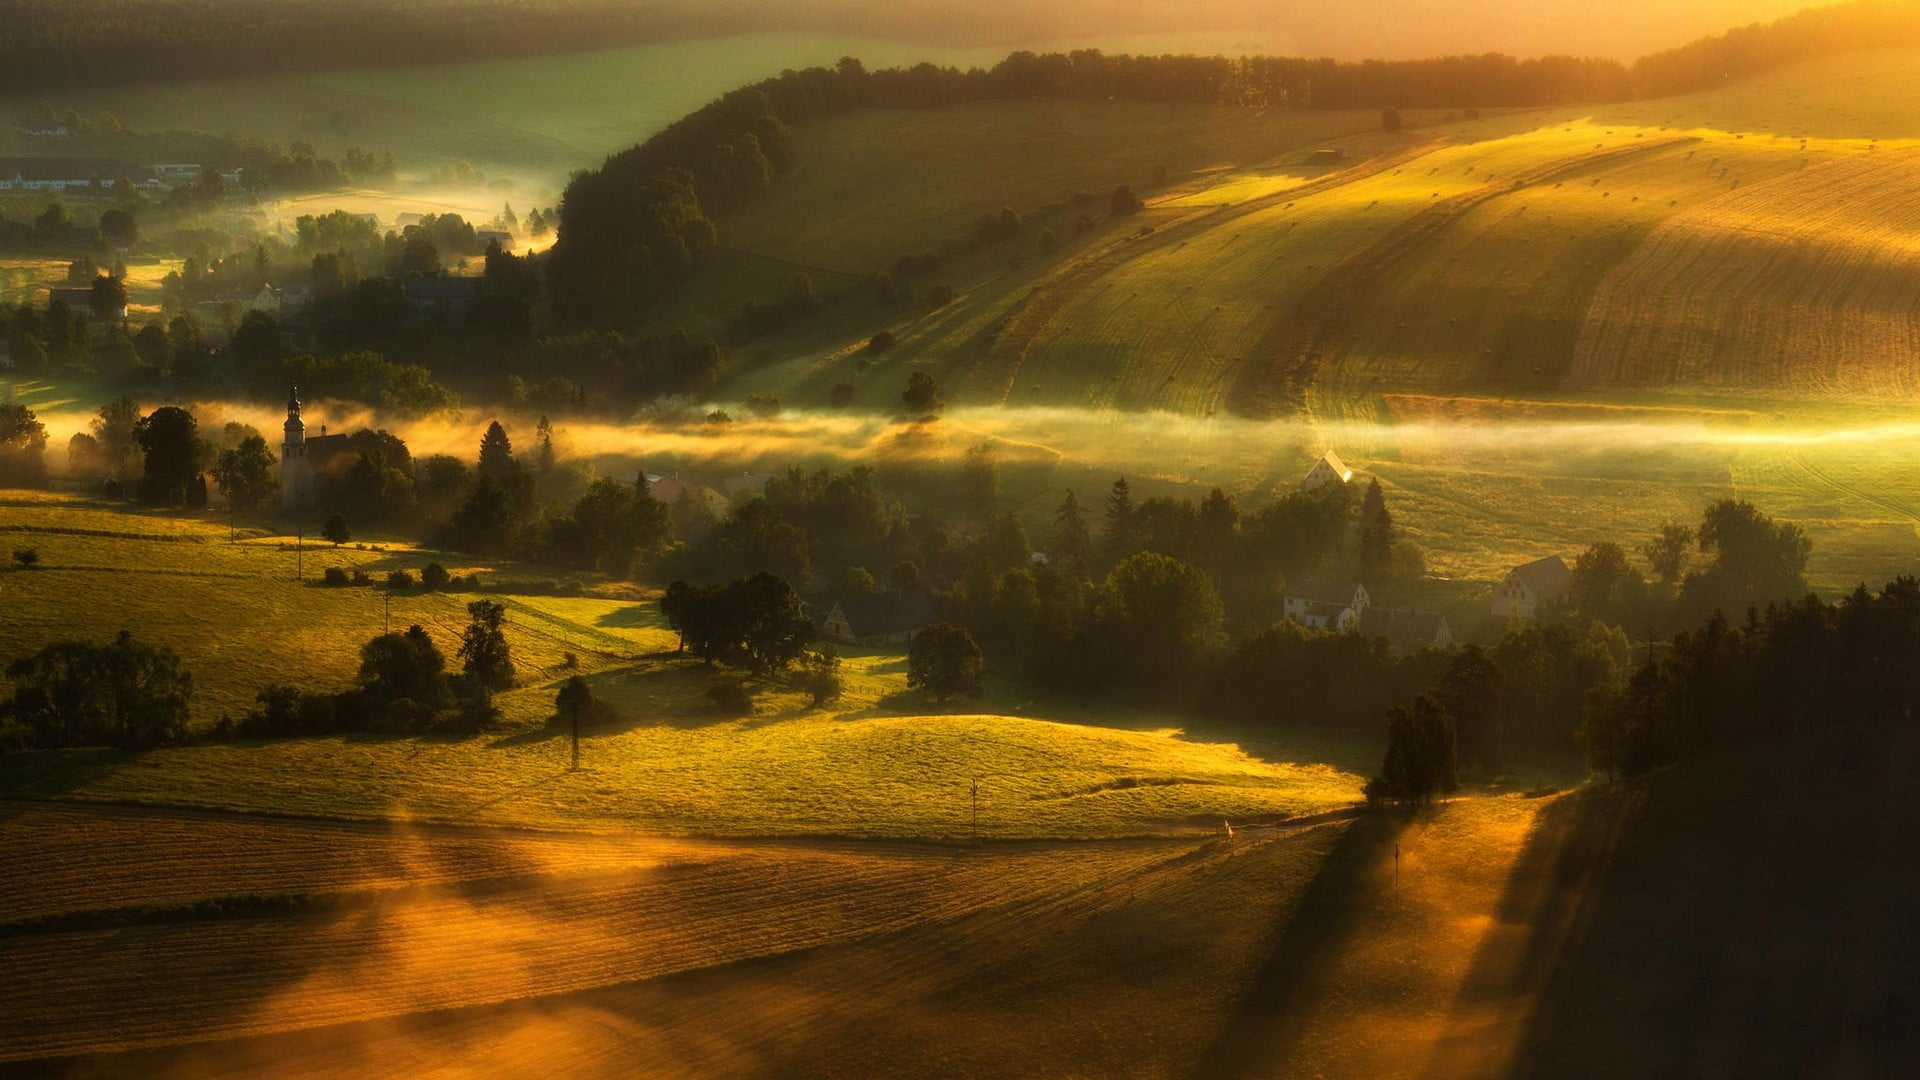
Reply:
x=425, y=943
x=876, y=763
x=1539, y=329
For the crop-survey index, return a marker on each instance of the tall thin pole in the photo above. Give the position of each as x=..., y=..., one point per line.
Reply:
x=974, y=826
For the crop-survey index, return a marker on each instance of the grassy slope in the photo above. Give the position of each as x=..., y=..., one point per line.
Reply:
x=1427, y=282
x=923, y=961
x=869, y=766
x=1650, y=927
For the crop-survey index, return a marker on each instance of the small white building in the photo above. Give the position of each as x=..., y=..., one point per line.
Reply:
x=1526, y=589
x=1325, y=605
x=1326, y=471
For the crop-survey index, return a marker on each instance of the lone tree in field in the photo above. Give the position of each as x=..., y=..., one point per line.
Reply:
x=1124, y=202
x=574, y=701
x=484, y=655
x=336, y=530
x=921, y=398
x=1390, y=119
x=1421, y=761
x=944, y=661
x=245, y=474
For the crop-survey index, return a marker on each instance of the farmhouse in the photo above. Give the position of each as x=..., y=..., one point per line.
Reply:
x=1407, y=631
x=886, y=618
x=1526, y=588
x=63, y=173
x=1326, y=471
x=1326, y=605
x=303, y=459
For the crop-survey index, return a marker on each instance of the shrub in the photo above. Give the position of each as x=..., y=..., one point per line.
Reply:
x=570, y=661
x=400, y=579
x=335, y=577
x=26, y=557
x=434, y=577
x=939, y=296
x=731, y=697
x=361, y=577
x=880, y=342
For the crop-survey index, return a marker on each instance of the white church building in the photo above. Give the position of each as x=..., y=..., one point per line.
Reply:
x=301, y=458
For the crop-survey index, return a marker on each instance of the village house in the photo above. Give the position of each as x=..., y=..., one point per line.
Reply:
x=1406, y=631
x=884, y=618
x=1325, y=605
x=1326, y=471
x=1526, y=589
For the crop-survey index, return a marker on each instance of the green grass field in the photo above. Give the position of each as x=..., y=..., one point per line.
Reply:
x=1539, y=330
x=876, y=763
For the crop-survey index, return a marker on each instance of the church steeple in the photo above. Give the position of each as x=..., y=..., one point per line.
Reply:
x=296, y=428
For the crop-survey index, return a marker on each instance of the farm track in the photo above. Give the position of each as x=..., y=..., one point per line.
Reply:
x=596, y=911
x=1319, y=327
x=999, y=371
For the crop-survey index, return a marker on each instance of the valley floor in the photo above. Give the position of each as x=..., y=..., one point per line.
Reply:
x=1695, y=922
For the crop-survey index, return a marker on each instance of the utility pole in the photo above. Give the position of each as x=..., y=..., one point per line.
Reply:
x=974, y=827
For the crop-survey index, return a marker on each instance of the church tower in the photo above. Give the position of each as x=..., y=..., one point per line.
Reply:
x=296, y=470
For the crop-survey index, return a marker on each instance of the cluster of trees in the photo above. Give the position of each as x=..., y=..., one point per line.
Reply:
x=403, y=686
x=1751, y=50
x=757, y=623
x=51, y=44
x=1790, y=668
x=124, y=693
x=1737, y=558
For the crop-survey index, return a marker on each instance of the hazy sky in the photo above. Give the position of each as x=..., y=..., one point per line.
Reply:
x=1349, y=29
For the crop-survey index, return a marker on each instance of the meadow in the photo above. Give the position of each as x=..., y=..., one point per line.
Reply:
x=888, y=957
x=1538, y=329
x=876, y=763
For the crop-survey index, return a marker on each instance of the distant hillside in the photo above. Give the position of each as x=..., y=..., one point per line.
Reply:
x=68, y=43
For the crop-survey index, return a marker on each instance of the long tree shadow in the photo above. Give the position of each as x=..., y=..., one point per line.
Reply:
x=1539, y=912
x=1270, y=1020
x=1694, y=923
